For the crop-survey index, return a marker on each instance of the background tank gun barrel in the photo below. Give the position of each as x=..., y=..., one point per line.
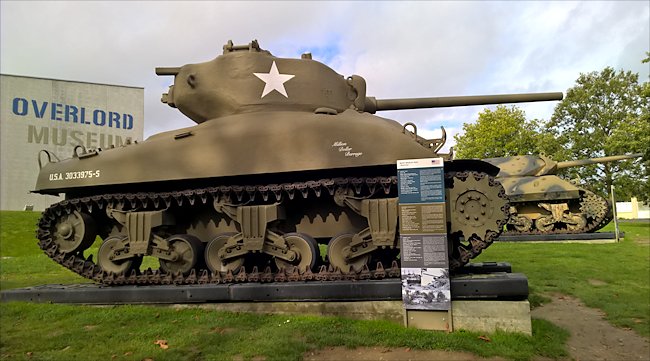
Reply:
x=580, y=162
x=168, y=70
x=373, y=105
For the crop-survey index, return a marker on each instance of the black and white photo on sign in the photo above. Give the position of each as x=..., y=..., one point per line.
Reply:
x=426, y=288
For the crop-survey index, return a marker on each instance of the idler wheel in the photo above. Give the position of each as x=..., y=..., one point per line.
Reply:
x=212, y=259
x=188, y=251
x=106, y=253
x=306, y=249
x=338, y=247
x=75, y=232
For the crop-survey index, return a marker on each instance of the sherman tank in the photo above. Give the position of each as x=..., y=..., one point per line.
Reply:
x=543, y=203
x=287, y=159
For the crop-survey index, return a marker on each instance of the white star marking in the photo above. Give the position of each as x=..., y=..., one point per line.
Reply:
x=274, y=81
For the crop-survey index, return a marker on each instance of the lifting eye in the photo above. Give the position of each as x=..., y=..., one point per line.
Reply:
x=191, y=80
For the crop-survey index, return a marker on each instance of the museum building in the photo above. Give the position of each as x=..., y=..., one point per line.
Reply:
x=58, y=115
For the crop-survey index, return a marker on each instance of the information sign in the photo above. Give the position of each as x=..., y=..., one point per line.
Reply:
x=423, y=234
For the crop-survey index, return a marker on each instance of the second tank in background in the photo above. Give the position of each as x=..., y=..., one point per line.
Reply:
x=543, y=203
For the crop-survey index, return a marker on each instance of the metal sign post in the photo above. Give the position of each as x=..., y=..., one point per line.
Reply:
x=616, y=231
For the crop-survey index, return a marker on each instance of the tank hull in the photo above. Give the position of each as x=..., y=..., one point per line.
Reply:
x=237, y=194
x=240, y=145
x=543, y=188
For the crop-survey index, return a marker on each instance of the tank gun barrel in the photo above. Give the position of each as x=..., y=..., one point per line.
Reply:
x=373, y=105
x=580, y=162
x=167, y=70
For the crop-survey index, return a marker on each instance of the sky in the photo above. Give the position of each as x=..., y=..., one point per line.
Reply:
x=402, y=49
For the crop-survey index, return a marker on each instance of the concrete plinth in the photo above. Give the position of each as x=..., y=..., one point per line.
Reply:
x=474, y=315
x=362, y=310
x=489, y=316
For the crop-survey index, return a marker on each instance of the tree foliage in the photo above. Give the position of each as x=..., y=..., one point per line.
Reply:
x=497, y=133
x=605, y=113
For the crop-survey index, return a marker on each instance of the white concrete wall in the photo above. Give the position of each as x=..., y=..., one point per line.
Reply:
x=57, y=115
x=632, y=210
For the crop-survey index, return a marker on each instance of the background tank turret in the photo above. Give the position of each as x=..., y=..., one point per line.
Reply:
x=542, y=202
x=286, y=155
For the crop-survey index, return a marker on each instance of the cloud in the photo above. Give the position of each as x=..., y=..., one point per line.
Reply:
x=403, y=49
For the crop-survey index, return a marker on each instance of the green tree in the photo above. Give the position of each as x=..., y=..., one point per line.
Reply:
x=605, y=113
x=498, y=133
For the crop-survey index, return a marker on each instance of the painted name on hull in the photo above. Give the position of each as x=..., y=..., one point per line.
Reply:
x=343, y=147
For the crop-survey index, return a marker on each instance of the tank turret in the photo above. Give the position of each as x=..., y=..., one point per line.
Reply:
x=224, y=86
x=286, y=155
x=542, y=202
x=538, y=165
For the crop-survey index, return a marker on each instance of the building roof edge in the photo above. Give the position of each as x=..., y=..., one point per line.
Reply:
x=72, y=81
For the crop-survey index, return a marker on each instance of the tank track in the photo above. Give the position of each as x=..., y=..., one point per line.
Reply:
x=597, y=211
x=86, y=266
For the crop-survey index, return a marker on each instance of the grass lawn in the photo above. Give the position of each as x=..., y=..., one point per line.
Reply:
x=613, y=277
x=22, y=262
x=65, y=332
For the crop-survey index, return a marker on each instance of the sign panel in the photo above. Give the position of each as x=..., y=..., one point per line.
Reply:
x=423, y=234
x=58, y=115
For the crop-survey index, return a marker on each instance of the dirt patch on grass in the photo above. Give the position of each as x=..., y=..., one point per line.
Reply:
x=255, y=358
x=221, y=330
x=592, y=338
x=595, y=282
x=643, y=242
x=390, y=354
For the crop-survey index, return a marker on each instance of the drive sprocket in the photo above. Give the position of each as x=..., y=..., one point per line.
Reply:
x=596, y=210
x=476, y=205
x=478, y=211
